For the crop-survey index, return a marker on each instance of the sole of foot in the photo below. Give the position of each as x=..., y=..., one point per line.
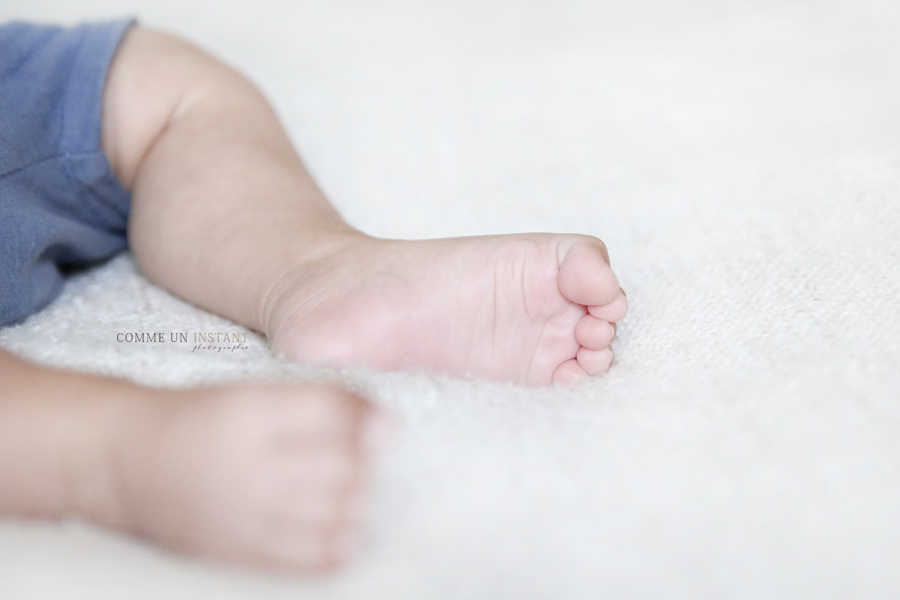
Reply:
x=530, y=308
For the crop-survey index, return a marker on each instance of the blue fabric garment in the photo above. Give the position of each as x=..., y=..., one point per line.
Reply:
x=61, y=206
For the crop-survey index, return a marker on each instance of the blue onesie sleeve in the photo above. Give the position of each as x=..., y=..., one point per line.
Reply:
x=61, y=206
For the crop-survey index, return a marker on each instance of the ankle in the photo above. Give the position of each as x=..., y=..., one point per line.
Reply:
x=305, y=264
x=102, y=455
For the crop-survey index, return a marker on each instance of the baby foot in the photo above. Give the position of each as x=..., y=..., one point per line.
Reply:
x=263, y=475
x=533, y=308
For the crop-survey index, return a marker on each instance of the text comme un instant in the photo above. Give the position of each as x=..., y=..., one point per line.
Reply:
x=160, y=338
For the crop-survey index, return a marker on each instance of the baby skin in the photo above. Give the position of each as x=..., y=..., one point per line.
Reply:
x=225, y=215
x=265, y=475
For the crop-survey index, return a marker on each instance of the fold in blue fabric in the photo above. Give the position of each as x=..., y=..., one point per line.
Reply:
x=61, y=206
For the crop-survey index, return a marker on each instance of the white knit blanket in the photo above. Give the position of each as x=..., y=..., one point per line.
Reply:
x=742, y=162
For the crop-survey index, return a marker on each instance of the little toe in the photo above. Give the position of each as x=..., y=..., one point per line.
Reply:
x=594, y=333
x=316, y=411
x=585, y=276
x=595, y=362
x=345, y=543
x=613, y=311
x=569, y=372
x=289, y=549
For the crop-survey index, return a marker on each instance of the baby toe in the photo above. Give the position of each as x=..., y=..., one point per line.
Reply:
x=585, y=276
x=311, y=545
x=569, y=372
x=613, y=311
x=345, y=542
x=595, y=362
x=594, y=333
x=289, y=549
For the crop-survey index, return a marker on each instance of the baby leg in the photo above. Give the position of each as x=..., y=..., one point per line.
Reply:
x=268, y=475
x=225, y=215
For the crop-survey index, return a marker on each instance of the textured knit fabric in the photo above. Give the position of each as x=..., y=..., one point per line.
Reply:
x=61, y=206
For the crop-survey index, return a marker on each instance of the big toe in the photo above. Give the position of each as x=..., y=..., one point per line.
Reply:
x=614, y=311
x=585, y=276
